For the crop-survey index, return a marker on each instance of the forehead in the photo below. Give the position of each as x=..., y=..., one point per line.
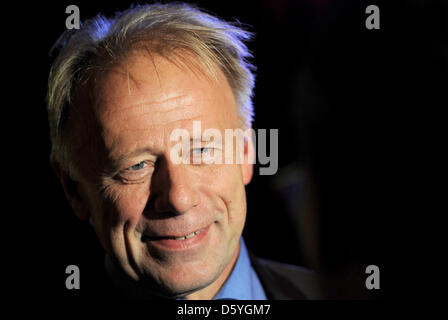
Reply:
x=146, y=97
x=161, y=91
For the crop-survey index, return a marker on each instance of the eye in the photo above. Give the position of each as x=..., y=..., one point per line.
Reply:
x=136, y=173
x=138, y=166
x=202, y=155
x=201, y=150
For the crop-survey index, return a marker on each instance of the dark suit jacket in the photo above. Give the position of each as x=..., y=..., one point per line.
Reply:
x=282, y=281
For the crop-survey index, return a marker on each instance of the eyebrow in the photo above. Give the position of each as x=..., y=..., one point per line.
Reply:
x=148, y=150
x=132, y=154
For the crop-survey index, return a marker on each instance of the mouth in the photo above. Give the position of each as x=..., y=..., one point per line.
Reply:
x=177, y=238
x=178, y=242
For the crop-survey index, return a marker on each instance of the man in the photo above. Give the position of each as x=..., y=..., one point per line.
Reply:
x=118, y=90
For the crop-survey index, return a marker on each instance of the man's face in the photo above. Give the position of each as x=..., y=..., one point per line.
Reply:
x=138, y=198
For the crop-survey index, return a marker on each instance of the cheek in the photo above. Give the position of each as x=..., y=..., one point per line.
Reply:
x=126, y=203
x=227, y=184
x=237, y=206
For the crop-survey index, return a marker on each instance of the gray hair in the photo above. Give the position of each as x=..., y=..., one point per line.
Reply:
x=163, y=28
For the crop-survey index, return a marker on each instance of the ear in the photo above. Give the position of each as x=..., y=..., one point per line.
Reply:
x=249, y=159
x=72, y=189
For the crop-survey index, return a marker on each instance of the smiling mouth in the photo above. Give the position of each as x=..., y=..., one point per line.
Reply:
x=188, y=236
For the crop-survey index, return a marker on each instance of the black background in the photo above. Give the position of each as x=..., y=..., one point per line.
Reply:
x=351, y=106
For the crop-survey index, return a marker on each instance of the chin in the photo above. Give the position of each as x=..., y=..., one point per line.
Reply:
x=179, y=281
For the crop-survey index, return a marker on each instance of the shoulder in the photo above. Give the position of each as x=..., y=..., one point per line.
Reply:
x=283, y=281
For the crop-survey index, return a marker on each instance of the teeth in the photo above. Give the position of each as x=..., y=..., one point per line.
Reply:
x=188, y=236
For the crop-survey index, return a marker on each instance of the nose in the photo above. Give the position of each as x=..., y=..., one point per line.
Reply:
x=173, y=189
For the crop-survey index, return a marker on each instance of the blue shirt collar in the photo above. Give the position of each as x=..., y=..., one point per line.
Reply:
x=243, y=282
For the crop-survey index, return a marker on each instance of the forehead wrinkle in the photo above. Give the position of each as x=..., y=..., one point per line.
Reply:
x=169, y=101
x=151, y=119
x=167, y=124
x=115, y=107
x=151, y=114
